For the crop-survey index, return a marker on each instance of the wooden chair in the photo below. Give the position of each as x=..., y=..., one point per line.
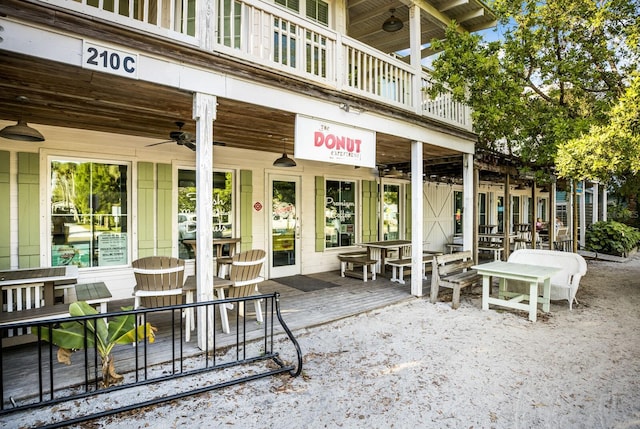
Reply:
x=245, y=275
x=159, y=281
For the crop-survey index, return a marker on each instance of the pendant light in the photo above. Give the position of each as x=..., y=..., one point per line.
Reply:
x=284, y=160
x=21, y=131
x=392, y=23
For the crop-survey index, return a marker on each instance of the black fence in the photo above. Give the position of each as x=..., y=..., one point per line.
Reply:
x=32, y=377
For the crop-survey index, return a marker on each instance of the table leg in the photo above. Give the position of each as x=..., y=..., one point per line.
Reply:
x=486, y=287
x=533, y=300
x=49, y=293
x=375, y=254
x=546, y=295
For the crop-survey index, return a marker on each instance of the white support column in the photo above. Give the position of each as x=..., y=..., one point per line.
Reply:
x=416, y=218
x=204, y=112
x=415, y=45
x=582, y=227
x=604, y=203
x=595, y=201
x=467, y=205
x=205, y=26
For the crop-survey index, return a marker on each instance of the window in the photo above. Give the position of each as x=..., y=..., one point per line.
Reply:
x=340, y=214
x=316, y=10
x=515, y=210
x=482, y=209
x=500, y=208
x=223, y=208
x=391, y=212
x=458, y=211
x=230, y=23
x=89, y=213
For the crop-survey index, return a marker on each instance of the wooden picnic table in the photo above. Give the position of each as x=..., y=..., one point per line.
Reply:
x=379, y=250
x=46, y=275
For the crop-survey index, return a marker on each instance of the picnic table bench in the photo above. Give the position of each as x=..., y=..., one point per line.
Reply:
x=453, y=271
x=93, y=293
x=351, y=260
x=398, y=265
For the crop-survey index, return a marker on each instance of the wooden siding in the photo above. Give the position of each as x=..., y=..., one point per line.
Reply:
x=246, y=210
x=28, y=210
x=5, y=204
x=146, y=210
x=165, y=228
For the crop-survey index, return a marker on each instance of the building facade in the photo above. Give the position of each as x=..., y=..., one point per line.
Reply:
x=162, y=120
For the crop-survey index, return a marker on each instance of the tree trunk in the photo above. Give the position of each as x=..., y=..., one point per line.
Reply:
x=109, y=374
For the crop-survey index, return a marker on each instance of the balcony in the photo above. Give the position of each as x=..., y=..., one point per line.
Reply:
x=271, y=37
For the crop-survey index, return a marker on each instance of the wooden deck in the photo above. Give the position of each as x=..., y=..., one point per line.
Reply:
x=299, y=310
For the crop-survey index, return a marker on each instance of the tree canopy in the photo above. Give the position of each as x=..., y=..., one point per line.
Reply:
x=559, y=81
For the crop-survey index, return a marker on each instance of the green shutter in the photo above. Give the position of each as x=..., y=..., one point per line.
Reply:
x=369, y=210
x=28, y=210
x=5, y=243
x=320, y=219
x=146, y=210
x=164, y=210
x=407, y=215
x=246, y=210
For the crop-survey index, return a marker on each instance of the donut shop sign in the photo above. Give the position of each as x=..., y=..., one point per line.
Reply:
x=325, y=141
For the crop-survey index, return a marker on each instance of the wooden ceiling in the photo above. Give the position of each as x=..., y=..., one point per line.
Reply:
x=55, y=94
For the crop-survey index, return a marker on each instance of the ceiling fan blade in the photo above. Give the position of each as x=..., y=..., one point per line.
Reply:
x=156, y=144
x=191, y=145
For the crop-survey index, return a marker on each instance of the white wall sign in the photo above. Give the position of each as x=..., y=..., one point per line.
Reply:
x=109, y=60
x=325, y=141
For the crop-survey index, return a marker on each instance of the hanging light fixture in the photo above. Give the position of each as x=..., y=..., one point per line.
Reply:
x=392, y=23
x=21, y=131
x=284, y=160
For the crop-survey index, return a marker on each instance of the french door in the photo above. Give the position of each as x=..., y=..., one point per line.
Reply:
x=284, y=237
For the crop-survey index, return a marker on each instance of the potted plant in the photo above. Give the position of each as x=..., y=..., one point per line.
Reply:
x=99, y=334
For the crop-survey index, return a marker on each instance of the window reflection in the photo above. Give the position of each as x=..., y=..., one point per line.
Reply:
x=89, y=202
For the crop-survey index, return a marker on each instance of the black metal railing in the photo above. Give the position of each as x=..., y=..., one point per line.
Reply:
x=32, y=378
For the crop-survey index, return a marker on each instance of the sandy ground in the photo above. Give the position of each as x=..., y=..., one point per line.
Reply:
x=419, y=365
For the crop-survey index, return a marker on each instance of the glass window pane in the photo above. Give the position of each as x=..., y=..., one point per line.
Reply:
x=340, y=216
x=223, y=209
x=391, y=212
x=89, y=207
x=457, y=212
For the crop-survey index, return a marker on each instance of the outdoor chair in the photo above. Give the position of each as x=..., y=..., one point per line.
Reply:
x=159, y=281
x=244, y=273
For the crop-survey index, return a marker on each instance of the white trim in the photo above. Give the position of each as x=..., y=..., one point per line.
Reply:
x=159, y=270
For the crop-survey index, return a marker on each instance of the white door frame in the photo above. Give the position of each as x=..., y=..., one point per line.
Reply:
x=295, y=267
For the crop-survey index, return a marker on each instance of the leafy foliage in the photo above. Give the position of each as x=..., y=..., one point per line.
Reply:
x=96, y=333
x=607, y=150
x=556, y=73
x=612, y=238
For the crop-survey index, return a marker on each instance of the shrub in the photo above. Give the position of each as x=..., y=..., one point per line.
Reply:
x=612, y=238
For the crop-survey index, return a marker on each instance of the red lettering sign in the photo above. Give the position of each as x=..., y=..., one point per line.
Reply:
x=333, y=142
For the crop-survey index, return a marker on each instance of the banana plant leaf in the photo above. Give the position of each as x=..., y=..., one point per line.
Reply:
x=75, y=335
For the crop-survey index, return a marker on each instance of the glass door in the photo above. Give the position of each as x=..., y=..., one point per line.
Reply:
x=285, y=226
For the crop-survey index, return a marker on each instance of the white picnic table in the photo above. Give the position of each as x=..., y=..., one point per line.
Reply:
x=532, y=274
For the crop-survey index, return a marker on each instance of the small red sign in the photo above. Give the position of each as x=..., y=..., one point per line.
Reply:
x=257, y=206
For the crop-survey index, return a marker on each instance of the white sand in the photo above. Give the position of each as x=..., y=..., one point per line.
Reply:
x=423, y=365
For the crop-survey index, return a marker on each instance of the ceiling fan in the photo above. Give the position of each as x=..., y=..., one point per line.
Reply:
x=180, y=137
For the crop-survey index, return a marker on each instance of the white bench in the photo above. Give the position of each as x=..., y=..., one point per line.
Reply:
x=398, y=265
x=453, y=271
x=25, y=305
x=564, y=284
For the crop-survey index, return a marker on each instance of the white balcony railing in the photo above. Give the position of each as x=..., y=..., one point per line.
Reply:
x=273, y=37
